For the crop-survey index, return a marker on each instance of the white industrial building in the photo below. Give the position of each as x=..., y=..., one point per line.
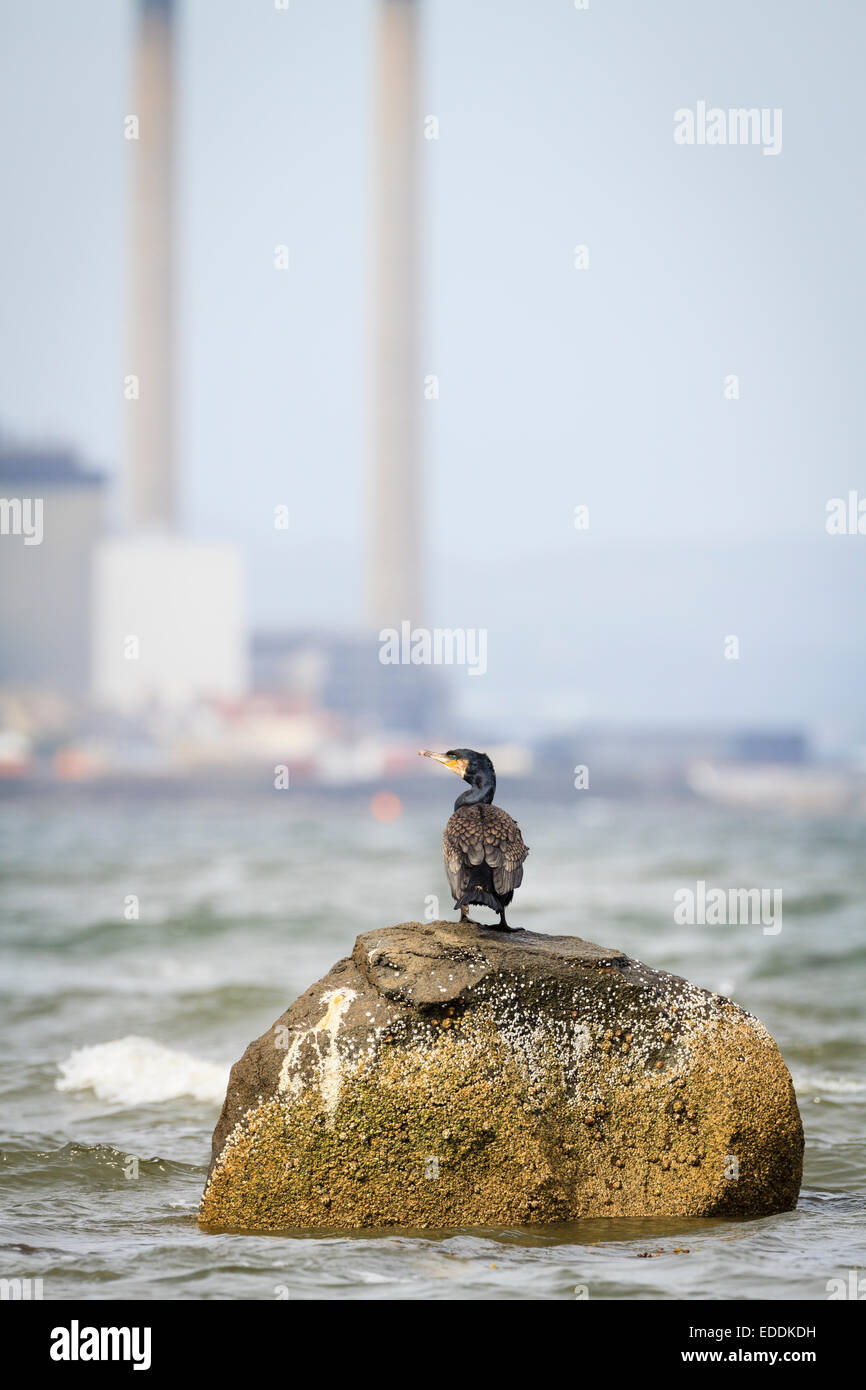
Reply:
x=168, y=622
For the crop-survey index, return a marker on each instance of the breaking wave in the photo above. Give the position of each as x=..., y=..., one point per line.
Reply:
x=138, y=1071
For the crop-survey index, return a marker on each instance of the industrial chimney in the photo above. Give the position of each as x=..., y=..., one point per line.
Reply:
x=168, y=612
x=151, y=473
x=394, y=532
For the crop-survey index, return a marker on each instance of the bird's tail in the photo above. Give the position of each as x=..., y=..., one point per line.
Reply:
x=479, y=893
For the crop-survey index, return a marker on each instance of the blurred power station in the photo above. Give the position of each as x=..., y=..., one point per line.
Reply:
x=168, y=612
x=145, y=617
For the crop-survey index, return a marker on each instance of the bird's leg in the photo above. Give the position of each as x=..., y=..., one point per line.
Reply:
x=503, y=925
x=464, y=917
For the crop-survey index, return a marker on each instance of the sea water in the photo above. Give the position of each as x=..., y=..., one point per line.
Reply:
x=146, y=941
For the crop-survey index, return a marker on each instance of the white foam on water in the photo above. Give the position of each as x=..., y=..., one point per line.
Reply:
x=812, y=1083
x=138, y=1071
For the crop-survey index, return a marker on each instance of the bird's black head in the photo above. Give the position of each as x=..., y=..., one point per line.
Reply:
x=474, y=768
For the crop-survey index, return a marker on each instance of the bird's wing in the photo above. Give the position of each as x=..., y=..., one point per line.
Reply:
x=462, y=846
x=483, y=835
x=504, y=849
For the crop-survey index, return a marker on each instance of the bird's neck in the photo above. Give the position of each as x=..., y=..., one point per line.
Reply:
x=482, y=791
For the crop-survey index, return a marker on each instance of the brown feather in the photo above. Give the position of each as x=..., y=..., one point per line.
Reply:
x=483, y=834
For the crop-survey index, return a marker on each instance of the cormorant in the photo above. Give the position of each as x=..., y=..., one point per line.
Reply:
x=483, y=846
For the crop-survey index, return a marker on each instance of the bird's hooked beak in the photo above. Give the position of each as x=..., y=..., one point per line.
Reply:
x=457, y=765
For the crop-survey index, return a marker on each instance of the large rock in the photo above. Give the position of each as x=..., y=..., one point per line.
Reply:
x=447, y=1075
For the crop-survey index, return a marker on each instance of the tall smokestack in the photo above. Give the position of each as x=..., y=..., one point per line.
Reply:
x=151, y=481
x=181, y=599
x=394, y=558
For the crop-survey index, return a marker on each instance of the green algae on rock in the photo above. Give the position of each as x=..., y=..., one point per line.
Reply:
x=446, y=1075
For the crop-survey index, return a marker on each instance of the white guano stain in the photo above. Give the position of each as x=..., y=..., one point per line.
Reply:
x=329, y=1063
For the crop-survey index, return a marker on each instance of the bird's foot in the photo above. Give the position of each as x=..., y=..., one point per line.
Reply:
x=487, y=926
